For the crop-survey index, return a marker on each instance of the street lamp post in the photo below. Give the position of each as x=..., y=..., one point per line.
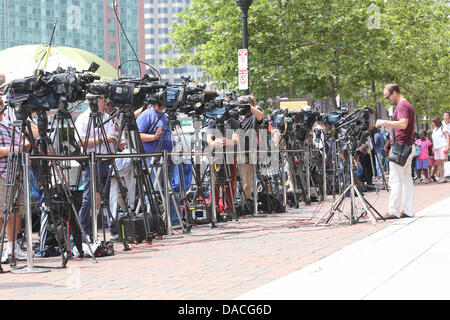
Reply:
x=244, y=5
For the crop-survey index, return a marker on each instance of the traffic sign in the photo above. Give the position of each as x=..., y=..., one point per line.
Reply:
x=243, y=79
x=243, y=59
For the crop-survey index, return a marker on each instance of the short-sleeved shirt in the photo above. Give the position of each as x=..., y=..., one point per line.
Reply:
x=404, y=110
x=248, y=123
x=82, y=126
x=446, y=125
x=424, y=145
x=231, y=125
x=6, y=129
x=145, y=123
x=439, y=137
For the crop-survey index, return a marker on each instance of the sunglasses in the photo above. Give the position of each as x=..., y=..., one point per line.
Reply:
x=387, y=98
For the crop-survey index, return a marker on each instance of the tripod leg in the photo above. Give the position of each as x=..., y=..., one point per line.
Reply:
x=362, y=200
x=335, y=205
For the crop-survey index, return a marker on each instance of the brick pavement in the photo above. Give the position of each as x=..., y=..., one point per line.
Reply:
x=220, y=263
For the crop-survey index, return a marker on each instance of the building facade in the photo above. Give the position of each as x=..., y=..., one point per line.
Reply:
x=87, y=25
x=157, y=17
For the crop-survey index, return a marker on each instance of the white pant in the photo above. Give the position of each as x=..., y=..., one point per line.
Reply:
x=402, y=188
x=127, y=176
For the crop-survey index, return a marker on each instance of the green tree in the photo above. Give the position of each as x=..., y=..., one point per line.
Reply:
x=322, y=47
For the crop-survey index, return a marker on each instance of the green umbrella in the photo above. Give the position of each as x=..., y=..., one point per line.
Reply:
x=22, y=61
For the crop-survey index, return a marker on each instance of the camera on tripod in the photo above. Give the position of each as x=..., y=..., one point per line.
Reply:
x=354, y=128
x=333, y=118
x=191, y=100
x=231, y=106
x=53, y=90
x=127, y=92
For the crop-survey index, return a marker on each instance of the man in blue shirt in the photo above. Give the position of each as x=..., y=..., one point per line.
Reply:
x=379, y=141
x=151, y=136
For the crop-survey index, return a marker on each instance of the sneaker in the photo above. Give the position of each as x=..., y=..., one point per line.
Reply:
x=419, y=182
x=427, y=181
x=19, y=255
x=115, y=237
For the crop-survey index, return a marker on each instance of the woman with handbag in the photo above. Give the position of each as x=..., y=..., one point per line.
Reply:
x=400, y=157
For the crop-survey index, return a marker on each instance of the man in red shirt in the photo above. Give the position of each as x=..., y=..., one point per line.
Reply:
x=400, y=179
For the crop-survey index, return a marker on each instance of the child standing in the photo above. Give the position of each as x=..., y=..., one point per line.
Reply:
x=422, y=159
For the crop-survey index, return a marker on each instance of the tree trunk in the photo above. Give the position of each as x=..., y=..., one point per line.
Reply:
x=292, y=91
x=375, y=114
x=332, y=92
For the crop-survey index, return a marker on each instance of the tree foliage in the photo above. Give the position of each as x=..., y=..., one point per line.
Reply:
x=323, y=47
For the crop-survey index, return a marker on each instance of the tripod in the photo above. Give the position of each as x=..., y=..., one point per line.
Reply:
x=169, y=196
x=145, y=186
x=223, y=175
x=61, y=139
x=61, y=191
x=353, y=217
x=369, y=140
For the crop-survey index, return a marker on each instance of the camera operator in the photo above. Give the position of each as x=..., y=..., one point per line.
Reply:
x=250, y=121
x=220, y=143
x=14, y=225
x=151, y=140
x=96, y=144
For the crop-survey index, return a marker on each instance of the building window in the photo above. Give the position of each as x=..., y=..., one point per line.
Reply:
x=163, y=20
x=179, y=70
x=163, y=10
x=163, y=30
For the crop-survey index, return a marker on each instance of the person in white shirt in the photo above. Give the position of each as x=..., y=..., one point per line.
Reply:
x=95, y=143
x=441, y=143
x=446, y=122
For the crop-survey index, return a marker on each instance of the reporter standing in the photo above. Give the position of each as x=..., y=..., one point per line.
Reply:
x=400, y=179
x=250, y=121
x=96, y=144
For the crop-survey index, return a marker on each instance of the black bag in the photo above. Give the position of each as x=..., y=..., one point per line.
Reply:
x=269, y=203
x=399, y=152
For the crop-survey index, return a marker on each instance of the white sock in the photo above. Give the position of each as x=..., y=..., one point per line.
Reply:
x=10, y=246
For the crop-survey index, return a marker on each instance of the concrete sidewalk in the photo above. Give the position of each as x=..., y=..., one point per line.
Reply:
x=410, y=259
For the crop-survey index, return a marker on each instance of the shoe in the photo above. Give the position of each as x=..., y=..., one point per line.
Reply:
x=404, y=215
x=224, y=217
x=419, y=182
x=114, y=236
x=390, y=216
x=427, y=181
x=433, y=178
x=19, y=255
